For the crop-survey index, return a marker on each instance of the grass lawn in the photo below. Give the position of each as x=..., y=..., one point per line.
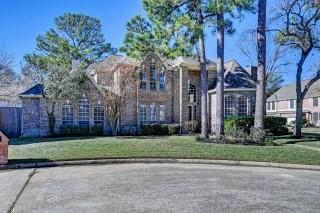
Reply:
x=53, y=149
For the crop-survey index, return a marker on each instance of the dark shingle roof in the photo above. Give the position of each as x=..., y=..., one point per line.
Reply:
x=37, y=89
x=289, y=91
x=236, y=77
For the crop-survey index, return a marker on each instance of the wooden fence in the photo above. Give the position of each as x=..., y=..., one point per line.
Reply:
x=10, y=121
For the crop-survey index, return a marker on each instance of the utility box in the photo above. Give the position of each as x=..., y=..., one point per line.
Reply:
x=3, y=149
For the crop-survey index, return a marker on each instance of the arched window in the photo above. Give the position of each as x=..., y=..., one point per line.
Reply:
x=228, y=106
x=67, y=114
x=143, y=79
x=98, y=115
x=162, y=83
x=153, y=77
x=192, y=93
x=84, y=112
x=243, y=106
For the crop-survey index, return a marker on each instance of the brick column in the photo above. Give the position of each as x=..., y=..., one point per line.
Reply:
x=3, y=149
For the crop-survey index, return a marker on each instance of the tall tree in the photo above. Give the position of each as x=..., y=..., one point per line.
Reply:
x=188, y=18
x=299, y=30
x=261, y=73
x=234, y=9
x=75, y=37
x=143, y=36
x=78, y=38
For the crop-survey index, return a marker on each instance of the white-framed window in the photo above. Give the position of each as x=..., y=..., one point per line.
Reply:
x=315, y=117
x=192, y=91
x=162, y=113
x=98, y=115
x=143, y=114
x=292, y=104
x=162, y=83
x=84, y=112
x=228, y=106
x=315, y=102
x=253, y=105
x=143, y=79
x=153, y=114
x=271, y=106
x=243, y=106
x=67, y=114
x=153, y=76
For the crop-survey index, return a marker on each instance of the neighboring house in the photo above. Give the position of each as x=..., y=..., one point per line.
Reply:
x=165, y=92
x=283, y=103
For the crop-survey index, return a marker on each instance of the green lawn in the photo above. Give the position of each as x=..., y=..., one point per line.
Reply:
x=33, y=150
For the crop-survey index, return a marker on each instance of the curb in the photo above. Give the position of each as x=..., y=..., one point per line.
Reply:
x=159, y=160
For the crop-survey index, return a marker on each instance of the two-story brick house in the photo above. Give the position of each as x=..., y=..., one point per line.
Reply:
x=164, y=92
x=283, y=103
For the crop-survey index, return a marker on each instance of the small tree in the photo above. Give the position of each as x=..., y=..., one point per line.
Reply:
x=60, y=84
x=299, y=30
x=117, y=93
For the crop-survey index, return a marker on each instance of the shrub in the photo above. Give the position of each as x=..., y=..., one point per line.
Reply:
x=257, y=135
x=243, y=123
x=274, y=122
x=173, y=129
x=155, y=129
x=66, y=130
x=191, y=126
x=84, y=131
x=97, y=130
x=282, y=130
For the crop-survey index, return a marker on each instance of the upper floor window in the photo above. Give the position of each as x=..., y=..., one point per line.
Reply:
x=315, y=102
x=153, y=114
x=143, y=79
x=162, y=83
x=228, y=106
x=67, y=114
x=243, y=106
x=143, y=114
x=153, y=77
x=192, y=93
x=271, y=106
x=98, y=115
x=292, y=104
x=162, y=113
x=84, y=112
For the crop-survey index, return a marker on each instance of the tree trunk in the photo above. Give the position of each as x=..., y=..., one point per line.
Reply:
x=261, y=72
x=220, y=72
x=299, y=99
x=204, y=88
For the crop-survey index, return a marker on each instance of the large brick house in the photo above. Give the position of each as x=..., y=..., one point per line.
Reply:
x=165, y=92
x=283, y=103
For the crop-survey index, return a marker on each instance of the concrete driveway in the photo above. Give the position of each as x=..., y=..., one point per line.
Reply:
x=160, y=188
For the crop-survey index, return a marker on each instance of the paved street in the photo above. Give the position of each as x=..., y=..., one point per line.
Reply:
x=160, y=188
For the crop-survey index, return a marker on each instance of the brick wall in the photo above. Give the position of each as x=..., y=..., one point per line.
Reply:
x=3, y=149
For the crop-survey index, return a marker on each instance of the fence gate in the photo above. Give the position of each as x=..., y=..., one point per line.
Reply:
x=10, y=121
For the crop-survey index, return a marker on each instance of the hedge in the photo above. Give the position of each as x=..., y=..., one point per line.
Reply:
x=275, y=125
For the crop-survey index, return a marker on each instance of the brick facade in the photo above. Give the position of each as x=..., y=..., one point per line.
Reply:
x=3, y=149
x=174, y=98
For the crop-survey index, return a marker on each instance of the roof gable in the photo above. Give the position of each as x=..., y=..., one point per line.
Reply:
x=36, y=90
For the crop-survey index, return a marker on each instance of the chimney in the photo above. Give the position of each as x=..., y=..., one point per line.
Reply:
x=252, y=70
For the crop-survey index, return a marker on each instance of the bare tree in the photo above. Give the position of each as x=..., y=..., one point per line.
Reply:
x=298, y=28
x=276, y=59
x=120, y=87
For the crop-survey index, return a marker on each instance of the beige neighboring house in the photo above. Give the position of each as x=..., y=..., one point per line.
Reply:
x=283, y=103
x=164, y=92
